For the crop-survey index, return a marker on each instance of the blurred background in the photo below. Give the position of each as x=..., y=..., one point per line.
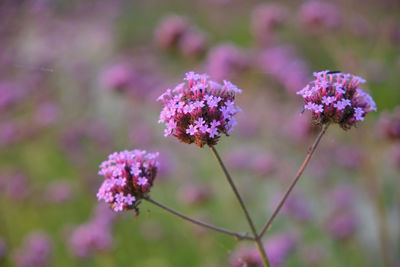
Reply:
x=79, y=80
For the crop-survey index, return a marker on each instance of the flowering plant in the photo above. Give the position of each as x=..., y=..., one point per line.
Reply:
x=199, y=111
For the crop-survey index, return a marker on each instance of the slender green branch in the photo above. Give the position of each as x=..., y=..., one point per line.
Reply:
x=298, y=175
x=243, y=206
x=202, y=224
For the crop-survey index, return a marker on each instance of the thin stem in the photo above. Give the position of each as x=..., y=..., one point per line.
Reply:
x=202, y=224
x=298, y=175
x=244, y=208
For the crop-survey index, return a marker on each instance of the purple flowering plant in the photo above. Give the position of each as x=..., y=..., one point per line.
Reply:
x=200, y=111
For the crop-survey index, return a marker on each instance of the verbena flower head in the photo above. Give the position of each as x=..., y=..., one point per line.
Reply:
x=335, y=97
x=199, y=110
x=129, y=177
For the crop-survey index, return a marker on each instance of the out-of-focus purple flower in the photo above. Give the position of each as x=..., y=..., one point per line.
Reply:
x=248, y=126
x=191, y=194
x=141, y=134
x=136, y=81
x=277, y=247
x=10, y=132
x=9, y=95
x=89, y=238
x=118, y=77
x=94, y=235
x=98, y=131
x=319, y=16
x=335, y=97
x=170, y=30
x=226, y=61
x=296, y=206
x=259, y=162
x=342, y=221
x=391, y=29
x=3, y=249
x=284, y=65
x=14, y=185
x=298, y=128
x=244, y=256
x=76, y=136
x=167, y=164
x=389, y=125
x=263, y=163
x=35, y=252
x=199, y=110
x=349, y=156
x=47, y=113
x=342, y=224
x=341, y=197
x=239, y=158
x=193, y=44
x=58, y=192
x=103, y=215
x=265, y=19
x=129, y=176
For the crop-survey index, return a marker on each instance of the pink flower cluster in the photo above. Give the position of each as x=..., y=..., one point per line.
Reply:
x=199, y=110
x=335, y=97
x=129, y=177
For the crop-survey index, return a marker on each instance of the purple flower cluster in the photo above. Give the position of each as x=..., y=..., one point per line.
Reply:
x=129, y=177
x=199, y=110
x=342, y=221
x=335, y=97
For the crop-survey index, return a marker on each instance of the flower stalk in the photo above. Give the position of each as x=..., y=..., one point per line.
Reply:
x=292, y=185
x=257, y=238
x=238, y=236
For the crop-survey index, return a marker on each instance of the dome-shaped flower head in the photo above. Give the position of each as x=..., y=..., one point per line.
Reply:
x=129, y=176
x=335, y=97
x=199, y=110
